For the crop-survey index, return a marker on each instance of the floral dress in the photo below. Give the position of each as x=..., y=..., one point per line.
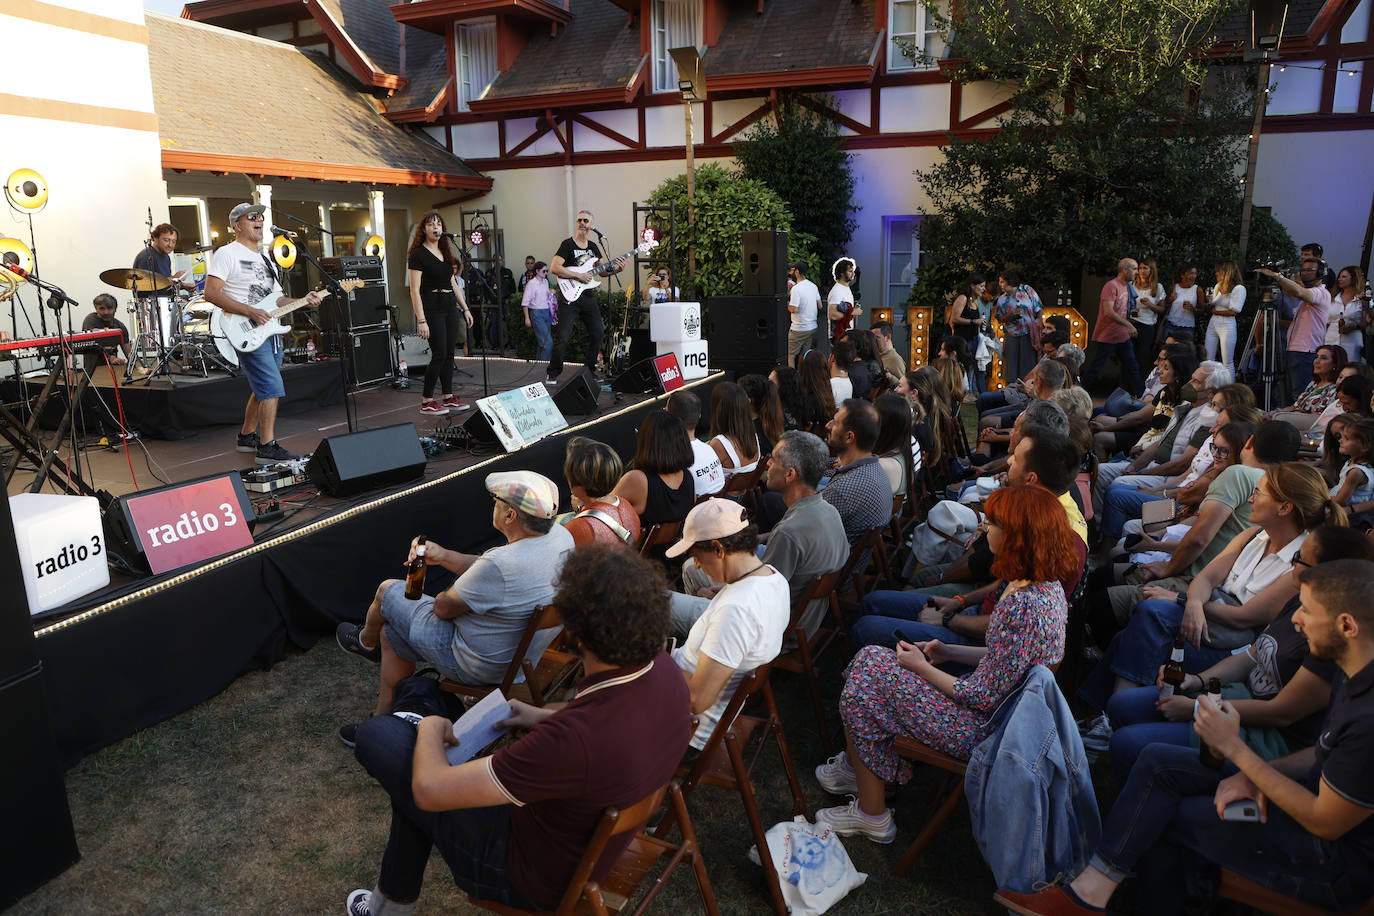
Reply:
x=881, y=699
x=1315, y=398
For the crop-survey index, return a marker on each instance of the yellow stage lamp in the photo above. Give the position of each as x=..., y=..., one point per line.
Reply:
x=375, y=247
x=284, y=252
x=17, y=253
x=26, y=190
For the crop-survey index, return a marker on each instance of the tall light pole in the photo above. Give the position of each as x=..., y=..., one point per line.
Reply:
x=692, y=84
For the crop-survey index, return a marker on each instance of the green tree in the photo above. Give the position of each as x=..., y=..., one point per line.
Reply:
x=1122, y=137
x=800, y=155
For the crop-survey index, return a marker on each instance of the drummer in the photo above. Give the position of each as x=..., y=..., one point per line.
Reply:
x=157, y=256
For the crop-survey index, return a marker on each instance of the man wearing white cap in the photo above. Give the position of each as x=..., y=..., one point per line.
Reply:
x=743, y=626
x=470, y=631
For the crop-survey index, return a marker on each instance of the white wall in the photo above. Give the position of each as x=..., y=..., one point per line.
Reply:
x=101, y=180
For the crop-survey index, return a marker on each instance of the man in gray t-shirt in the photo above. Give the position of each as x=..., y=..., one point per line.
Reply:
x=470, y=631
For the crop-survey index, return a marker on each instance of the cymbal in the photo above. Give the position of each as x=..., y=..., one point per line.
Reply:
x=136, y=279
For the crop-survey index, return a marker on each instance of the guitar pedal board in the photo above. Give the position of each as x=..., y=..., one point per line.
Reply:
x=271, y=477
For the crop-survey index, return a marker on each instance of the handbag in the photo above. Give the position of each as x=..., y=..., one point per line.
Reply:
x=814, y=870
x=945, y=533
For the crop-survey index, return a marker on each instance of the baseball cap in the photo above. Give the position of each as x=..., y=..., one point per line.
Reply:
x=714, y=518
x=531, y=493
x=242, y=210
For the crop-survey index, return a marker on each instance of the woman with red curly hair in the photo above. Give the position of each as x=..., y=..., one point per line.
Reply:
x=889, y=693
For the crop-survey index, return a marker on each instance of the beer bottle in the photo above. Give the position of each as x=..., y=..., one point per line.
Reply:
x=415, y=572
x=1209, y=757
x=1173, y=672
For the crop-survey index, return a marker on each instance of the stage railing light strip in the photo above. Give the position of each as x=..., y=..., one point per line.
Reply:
x=321, y=524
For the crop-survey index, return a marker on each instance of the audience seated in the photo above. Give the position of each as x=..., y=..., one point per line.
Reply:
x=1277, y=686
x=893, y=447
x=858, y=487
x=592, y=469
x=800, y=409
x=659, y=483
x=1320, y=391
x=839, y=362
x=766, y=408
x=732, y=430
x=512, y=826
x=815, y=381
x=889, y=693
x=865, y=370
x=469, y=631
x=708, y=477
x=1240, y=591
x=1316, y=842
x=743, y=626
x=1177, y=366
x=924, y=393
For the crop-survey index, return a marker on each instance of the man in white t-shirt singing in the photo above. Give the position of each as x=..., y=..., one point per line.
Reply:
x=804, y=304
x=242, y=281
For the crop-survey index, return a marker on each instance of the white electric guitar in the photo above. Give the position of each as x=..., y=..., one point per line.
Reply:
x=245, y=336
x=588, y=268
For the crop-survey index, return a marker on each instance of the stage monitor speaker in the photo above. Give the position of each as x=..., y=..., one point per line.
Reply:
x=371, y=362
x=479, y=427
x=128, y=538
x=577, y=398
x=748, y=333
x=355, y=462
x=765, y=263
x=641, y=378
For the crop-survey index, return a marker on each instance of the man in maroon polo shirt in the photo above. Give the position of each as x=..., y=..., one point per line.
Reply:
x=513, y=826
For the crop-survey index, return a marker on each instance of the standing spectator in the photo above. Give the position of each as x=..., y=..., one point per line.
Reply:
x=660, y=287
x=803, y=303
x=964, y=318
x=1348, y=312
x=1113, y=331
x=840, y=306
x=502, y=282
x=1017, y=309
x=1308, y=329
x=538, y=302
x=892, y=361
x=887, y=694
x=1182, y=303
x=528, y=275
x=1225, y=300
x=1148, y=304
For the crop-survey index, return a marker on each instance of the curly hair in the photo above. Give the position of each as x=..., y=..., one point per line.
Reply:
x=1037, y=542
x=615, y=602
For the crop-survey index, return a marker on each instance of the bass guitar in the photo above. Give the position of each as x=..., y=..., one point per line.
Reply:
x=592, y=273
x=245, y=336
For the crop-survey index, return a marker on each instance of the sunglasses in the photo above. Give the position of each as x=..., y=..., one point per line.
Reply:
x=581, y=220
x=255, y=217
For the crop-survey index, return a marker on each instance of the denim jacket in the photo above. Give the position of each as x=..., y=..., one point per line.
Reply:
x=1029, y=791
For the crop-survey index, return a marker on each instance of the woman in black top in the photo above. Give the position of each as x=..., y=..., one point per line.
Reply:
x=432, y=275
x=766, y=406
x=659, y=485
x=964, y=319
x=800, y=410
x=865, y=371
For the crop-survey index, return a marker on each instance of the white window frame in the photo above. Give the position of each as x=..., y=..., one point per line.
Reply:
x=472, y=63
x=896, y=60
x=893, y=283
x=672, y=24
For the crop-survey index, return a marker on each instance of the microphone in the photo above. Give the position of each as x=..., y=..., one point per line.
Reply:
x=448, y=235
x=598, y=233
x=278, y=230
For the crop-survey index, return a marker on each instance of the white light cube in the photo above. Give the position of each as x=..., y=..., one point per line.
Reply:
x=692, y=357
x=61, y=547
x=675, y=321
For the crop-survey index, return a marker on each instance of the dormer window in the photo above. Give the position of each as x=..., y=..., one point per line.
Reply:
x=674, y=24
x=909, y=23
x=475, y=52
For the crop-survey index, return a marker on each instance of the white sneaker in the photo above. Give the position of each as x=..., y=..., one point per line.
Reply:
x=847, y=820
x=1096, y=734
x=837, y=777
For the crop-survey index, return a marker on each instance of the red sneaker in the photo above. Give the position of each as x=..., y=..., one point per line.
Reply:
x=452, y=403
x=433, y=408
x=1049, y=902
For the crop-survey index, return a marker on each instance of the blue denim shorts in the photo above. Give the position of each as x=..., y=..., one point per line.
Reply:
x=416, y=634
x=263, y=370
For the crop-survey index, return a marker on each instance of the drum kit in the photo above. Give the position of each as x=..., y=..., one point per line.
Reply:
x=170, y=326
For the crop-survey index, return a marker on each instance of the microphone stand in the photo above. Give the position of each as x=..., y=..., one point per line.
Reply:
x=345, y=352
x=610, y=303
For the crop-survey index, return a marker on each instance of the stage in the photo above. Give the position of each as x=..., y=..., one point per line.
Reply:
x=147, y=648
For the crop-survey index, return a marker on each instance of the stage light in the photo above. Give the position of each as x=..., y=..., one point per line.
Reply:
x=375, y=247
x=26, y=190
x=17, y=253
x=283, y=252
x=477, y=237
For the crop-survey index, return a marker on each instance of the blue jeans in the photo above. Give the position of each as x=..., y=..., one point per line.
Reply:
x=1298, y=367
x=885, y=611
x=473, y=841
x=1136, y=724
x=1120, y=505
x=989, y=399
x=1138, y=650
x=1170, y=329
x=542, y=323
x=1125, y=355
x=1164, y=822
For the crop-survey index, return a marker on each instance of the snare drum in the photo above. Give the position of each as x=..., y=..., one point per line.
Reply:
x=198, y=307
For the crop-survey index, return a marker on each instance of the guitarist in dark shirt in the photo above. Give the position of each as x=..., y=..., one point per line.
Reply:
x=578, y=251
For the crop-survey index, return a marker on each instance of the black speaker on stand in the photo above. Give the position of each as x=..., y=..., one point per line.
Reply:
x=39, y=842
x=748, y=333
x=765, y=263
x=367, y=460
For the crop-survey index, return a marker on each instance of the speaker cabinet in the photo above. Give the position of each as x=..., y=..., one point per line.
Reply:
x=371, y=356
x=748, y=333
x=578, y=397
x=479, y=427
x=368, y=460
x=641, y=378
x=765, y=263
x=363, y=307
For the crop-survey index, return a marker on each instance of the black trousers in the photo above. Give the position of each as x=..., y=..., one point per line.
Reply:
x=591, y=315
x=447, y=329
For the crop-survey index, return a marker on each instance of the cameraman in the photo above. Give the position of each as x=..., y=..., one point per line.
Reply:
x=1307, y=331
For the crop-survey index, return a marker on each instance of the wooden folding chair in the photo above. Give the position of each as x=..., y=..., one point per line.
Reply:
x=1249, y=893
x=553, y=670
x=722, y=764
x=658, y=535
x=870, y=549
x=748, y=487
x=801, y=658
x=585, y=896
x=948, y=795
